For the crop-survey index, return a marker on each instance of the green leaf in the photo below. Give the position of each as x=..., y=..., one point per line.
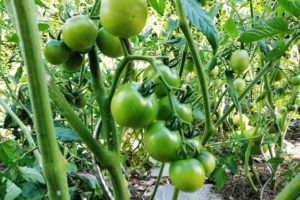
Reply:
x=215, y=9
x=91, y=180
x=66, y=134
x=32, y=175
x=33, y=191
x=220, y=177
x=18, y=74
x=229, y=79
x=8, y=151
x=198, y=115
x=43, y=27
x=230, y=27
x=202, y=21
x=291, y=6
x=158, y=5
x=279, y=48
x=12, y=191
x=40, y=3
x=232, y=166
x=265, y=29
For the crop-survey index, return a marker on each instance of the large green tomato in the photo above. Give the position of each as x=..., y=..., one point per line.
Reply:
x=187, y=175
x=123, y=18
x=56, y=52
x=184, y=111
x=74, y=63
x=239, y=61
x=109, y=45
x=239, y=85
x=161, y=143
x=208, y=161
x=295, y=80
x=168, y=74
x=131, y=109
x=79, y=33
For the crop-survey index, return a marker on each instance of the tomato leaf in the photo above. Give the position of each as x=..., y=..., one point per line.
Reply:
x=8, y=150
x=202, y=21
x=12, y=191
x=230, y=27
x=279, y=48
x=291, y=6
x=265, y=29
x=232, y=166
x=220, y=177
x=158, y=5
x=41, y=3
x=215, y=10
x=32, y=175
x=66, y=134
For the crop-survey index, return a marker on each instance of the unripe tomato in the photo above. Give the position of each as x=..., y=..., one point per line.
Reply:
x=237, y=122
x=161, y=143
x=79, y=33
x=131, y=109
x=184, y=111
x=80, y=101
x=123, y=18
x=109, y=45
x=56, y=52
x=189, y=65
x=195, y=142
x=170, y=76
x=295, y=80
x=216, y=83
x=214, y=73
x=208, y=161
x=239, y=61
x=277, y=75
x=239, y=85
x=187, y=175
x=74, y=63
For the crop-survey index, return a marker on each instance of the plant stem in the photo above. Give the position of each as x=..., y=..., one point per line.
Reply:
x=54, y=165
x=157, y=181
x=291, y=191
x=183, y=24
x=175, y=194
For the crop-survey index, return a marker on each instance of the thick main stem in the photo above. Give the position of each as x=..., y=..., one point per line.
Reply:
x=183, y=24
x=54, y=164
x=291, y=191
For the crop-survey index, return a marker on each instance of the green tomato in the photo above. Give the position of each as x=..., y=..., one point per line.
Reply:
x=157, y=137
x=80, y=101
x=208, y=161
x=295, y=80
x=56, y=52
x=74, y=63
x=239, y=85
x=109, y=45
x=277, y=75
x=184, y=111
x=170, y=76
x=123, y=18
x=239, y=61
x=237, y=122
x=214, y=72
x=131, y=109
x=216, y=83
x=187, y=175
x=79, y=33
x=189, y=65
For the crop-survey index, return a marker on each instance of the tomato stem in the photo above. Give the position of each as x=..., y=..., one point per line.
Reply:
x=175, y=193
x=157, y=181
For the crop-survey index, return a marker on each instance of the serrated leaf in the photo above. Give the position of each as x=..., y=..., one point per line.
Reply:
x=279, y=48
x=40, y=3
x=220, y=177
x=158, y=5
x=229, y=79
x=265, y=29
x=66, y=134
x=291, y=6
x=32, y=175
x=12, y=191
x=202, y=21
x=230, y=27
x=8, y=150
x=232, y=166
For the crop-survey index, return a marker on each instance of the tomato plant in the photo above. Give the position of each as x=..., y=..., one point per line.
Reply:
x=187, y=175
x=157, y=137
x=56, y=52
x=123, y=18
x=79, y=33
x=109, y=45
x=131, y=109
